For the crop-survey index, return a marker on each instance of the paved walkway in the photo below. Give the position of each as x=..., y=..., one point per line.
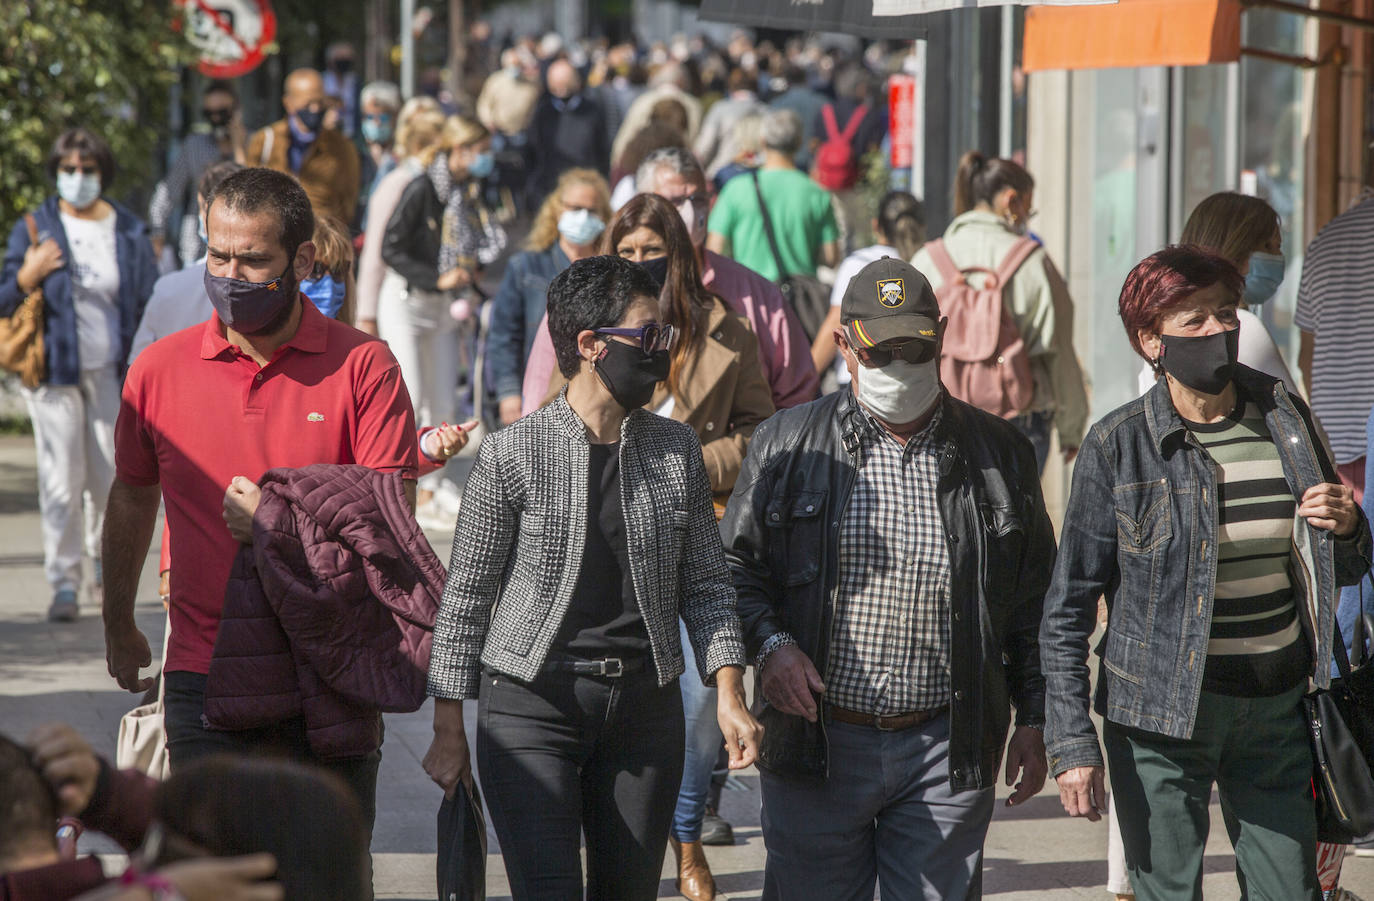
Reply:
x=50, y=672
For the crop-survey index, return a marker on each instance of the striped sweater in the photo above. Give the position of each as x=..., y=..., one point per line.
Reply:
x=1256, y=647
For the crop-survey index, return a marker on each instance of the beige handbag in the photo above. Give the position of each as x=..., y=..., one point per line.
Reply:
x=21, y=333
x=142, y=741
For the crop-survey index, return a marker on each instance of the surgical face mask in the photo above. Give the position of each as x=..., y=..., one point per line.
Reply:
x=630, y=374
x=78, y=188
x=482, y=165
x=899, y=392
x=326, y=292
x=1264, y=277
x=250, y=308
x=1204, y=363
x=694, y=217
x=377, y=130
x=580, y=227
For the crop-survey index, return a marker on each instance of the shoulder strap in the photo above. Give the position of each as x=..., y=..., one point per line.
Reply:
x=768, y=227
x=1015, y=257
x=832, y=127
x=949, y=273
x=852, y=125
x=33, y=228
x=269, y=137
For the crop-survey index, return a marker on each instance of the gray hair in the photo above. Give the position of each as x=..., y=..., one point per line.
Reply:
x=679, y=159
x=381, y=92
x=782, y=131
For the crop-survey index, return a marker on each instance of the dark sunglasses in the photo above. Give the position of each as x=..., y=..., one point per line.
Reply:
x=915, y=350
x=652, y=337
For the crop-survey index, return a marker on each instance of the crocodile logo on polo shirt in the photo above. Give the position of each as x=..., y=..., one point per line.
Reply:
x=315, y=417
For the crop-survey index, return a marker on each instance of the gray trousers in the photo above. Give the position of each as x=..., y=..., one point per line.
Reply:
x=886, y=816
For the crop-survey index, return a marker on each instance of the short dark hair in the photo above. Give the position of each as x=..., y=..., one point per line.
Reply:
x=220, y=86
x=213, y=175
x=590, y=294
x=28, y=807
x=304, y=816
x=87, y=143
x=254, y=190
x=1163, y=281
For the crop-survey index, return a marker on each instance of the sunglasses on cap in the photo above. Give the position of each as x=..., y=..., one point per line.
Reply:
x=652, y=337
x=913, y=350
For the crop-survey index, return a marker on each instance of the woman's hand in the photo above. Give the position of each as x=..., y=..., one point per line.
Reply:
x=1330, y=507
x=455, y=278
x=742, y=732
x=40, y=261
x=448, y=761
x=447, y=440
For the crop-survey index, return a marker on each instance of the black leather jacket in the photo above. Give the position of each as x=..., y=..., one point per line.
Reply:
x=410, y=244
x=781, y=533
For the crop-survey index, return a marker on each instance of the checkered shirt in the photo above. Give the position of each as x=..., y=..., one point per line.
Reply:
x=890, y=638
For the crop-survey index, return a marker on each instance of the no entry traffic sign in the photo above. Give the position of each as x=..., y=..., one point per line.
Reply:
x=231, y=35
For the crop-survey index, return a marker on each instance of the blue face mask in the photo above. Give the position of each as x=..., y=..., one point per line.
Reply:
x=482, y=165
x=580, y=227
x=326, y=293
x=78, y=189
x=1264, y=277
x=377, y=130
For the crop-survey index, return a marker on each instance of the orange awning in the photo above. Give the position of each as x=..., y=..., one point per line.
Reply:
x=1132, y=33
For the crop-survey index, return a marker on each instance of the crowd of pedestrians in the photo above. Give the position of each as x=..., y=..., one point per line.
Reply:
x=731, y=408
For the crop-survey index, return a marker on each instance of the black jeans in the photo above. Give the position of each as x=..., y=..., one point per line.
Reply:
x=188, y=740
x=570, y=754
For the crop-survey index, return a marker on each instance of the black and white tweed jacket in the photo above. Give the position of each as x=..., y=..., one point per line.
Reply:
x=518, y=546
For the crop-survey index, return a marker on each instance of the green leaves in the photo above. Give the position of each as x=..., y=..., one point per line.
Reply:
x=104, y=64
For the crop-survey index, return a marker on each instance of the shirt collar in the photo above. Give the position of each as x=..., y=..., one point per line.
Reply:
x=312, y=335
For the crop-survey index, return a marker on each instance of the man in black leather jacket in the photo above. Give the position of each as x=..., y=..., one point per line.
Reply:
x=891, y=552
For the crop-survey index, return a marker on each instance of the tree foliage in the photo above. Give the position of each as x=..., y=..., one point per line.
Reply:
x=104, y=64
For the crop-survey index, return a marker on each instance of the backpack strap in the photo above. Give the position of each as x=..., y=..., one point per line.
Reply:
x=832, y=126
x=1015, y=257
x=852, y=126
x=33, y=229
x=944, y=263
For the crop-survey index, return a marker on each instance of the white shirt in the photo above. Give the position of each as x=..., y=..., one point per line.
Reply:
x=179, y=301
x=94, y=269
x=849, y=267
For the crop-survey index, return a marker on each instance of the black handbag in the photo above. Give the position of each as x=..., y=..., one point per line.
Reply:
x=805, y=294
x=1340, y=723
x=462, y=860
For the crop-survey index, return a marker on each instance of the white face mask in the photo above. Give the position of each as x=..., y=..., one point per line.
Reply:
x=899, y=392
x=78, y=189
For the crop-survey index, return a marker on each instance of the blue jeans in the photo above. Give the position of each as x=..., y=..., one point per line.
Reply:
x=703, y=745
x=1036, y=427
x=885, y=815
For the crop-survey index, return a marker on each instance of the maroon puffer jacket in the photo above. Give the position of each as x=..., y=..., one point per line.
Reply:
x=329, y=613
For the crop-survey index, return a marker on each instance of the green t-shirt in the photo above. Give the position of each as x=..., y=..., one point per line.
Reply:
x=799, y=209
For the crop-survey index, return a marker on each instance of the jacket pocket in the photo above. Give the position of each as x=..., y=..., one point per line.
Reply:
x=796, y=523
x=1144, y=518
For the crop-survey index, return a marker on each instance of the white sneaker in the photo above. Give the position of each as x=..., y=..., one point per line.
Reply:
x=433, y=518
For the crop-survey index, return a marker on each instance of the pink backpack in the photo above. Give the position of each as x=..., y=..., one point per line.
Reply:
x=984, y=360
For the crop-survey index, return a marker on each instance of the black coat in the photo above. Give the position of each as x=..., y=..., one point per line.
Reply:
x=562, y=140
x=413, y=234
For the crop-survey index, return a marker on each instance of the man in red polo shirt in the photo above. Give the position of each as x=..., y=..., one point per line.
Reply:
x=267, y=382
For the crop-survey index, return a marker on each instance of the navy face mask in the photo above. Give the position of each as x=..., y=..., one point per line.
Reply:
x=250, y=308
x=657, y=269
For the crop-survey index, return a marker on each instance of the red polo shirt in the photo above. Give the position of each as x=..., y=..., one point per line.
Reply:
x=197, y=411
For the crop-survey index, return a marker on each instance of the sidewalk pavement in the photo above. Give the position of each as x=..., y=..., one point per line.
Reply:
x=57, y=672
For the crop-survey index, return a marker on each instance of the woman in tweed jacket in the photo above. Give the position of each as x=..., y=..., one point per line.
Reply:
x=586, y=530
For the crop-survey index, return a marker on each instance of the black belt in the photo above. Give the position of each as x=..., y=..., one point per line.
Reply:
x=610, y=667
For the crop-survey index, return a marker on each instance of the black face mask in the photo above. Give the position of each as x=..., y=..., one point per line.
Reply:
x=1205, y=363
x=310, y=119
x=657, y=269
x=630, y=374
x=219, y=118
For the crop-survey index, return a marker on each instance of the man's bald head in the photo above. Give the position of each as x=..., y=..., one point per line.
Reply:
x=563, y=79
x=304, y=89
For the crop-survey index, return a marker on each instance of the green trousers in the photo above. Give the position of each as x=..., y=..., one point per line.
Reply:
x=1255, y=752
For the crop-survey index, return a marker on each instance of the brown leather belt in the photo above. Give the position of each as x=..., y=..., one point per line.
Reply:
x=895, y=723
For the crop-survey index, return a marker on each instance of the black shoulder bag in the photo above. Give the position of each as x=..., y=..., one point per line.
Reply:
x=1340, y=722
x=807, y=296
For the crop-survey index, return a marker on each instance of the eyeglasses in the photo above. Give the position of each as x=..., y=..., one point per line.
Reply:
x=652, y=337
x=915, y=350
x=700, y=198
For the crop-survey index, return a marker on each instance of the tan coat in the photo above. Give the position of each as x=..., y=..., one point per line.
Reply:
x=723, y=397
x=330, y=170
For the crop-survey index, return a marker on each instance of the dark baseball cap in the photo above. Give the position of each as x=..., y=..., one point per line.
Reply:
x=890, y=300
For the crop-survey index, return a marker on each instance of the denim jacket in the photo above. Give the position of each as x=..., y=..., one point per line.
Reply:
x=1141, y=529
x=517, y=308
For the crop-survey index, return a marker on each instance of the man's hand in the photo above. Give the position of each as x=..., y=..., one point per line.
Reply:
x=510, y=409
x=1026, y=757
x=225, y=878
x=240, y=503
x=1083, y=791
x=790, y=682
x=1331, y=507
x=68, y=763
x=741, y=731
x=126, y=652
x=448, y=761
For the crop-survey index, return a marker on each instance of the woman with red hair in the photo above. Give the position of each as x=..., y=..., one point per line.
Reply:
x=1211, y=520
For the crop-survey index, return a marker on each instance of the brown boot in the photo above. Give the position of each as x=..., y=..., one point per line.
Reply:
x=694, y=880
